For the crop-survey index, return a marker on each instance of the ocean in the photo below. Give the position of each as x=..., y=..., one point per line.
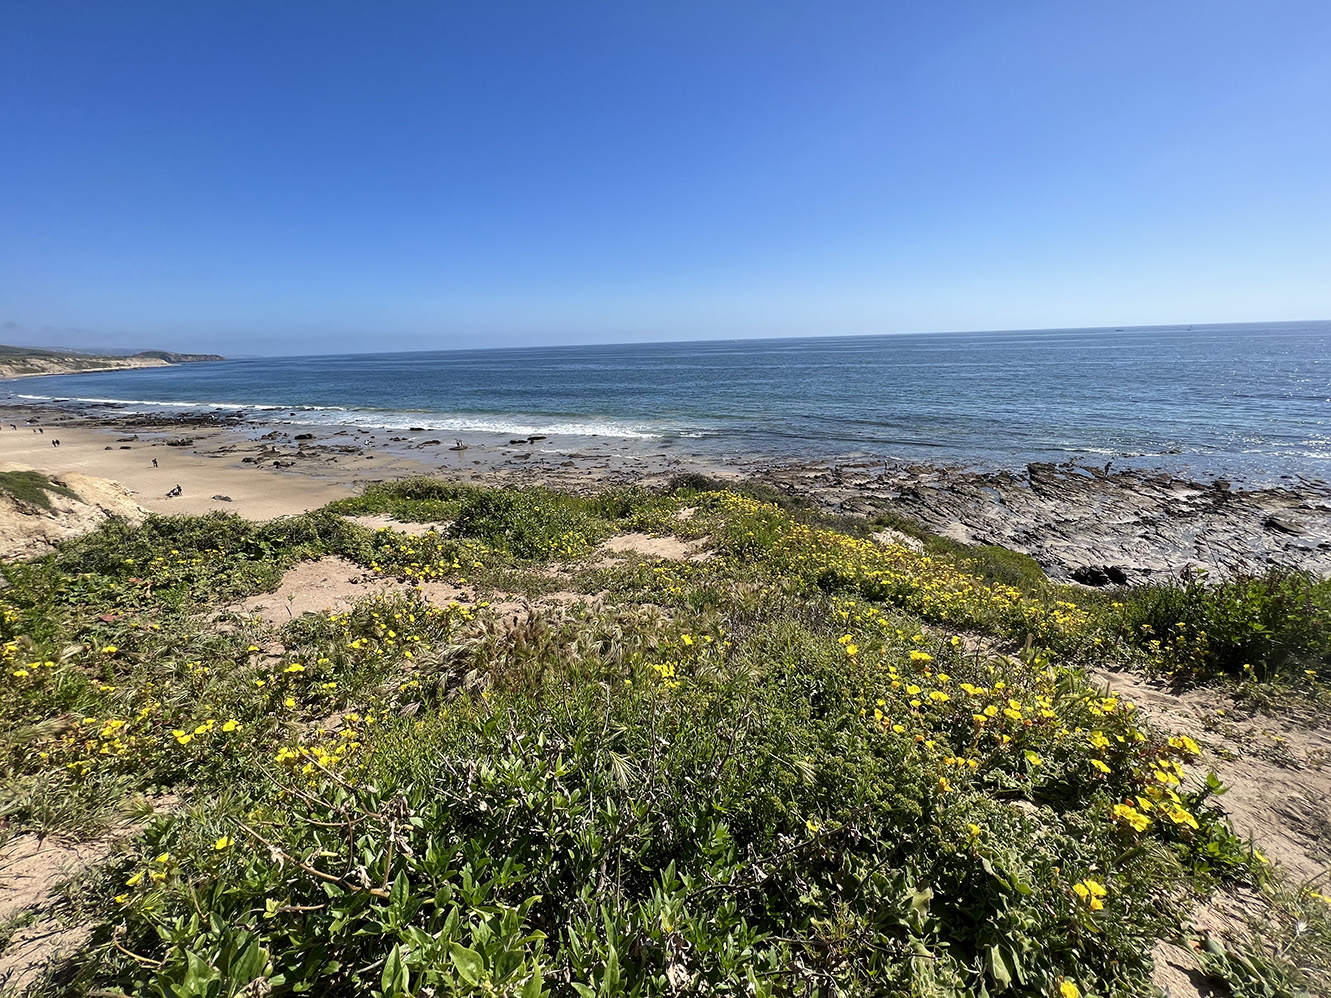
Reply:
x=1250, y=402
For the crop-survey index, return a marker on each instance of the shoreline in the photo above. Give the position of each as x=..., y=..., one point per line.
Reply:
x=1080, y=523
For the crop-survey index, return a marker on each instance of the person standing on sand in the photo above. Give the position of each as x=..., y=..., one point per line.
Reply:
x=154, y=462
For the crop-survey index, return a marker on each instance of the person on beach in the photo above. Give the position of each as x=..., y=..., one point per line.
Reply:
x=154, y=462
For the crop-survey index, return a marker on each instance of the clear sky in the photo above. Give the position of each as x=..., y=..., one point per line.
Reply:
x=290, y=177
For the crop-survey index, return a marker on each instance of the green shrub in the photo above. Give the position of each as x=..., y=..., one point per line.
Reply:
x=777, y=772
x=1261, y=627
x=530, y=523
x=408, y=500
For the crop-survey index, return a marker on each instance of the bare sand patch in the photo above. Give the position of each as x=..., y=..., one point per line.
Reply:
x=1278, y=772
x=31, y=868
x=666, y=546
x=379, y=521
x=1279, y=779
x=332, y=585
x=211, y=472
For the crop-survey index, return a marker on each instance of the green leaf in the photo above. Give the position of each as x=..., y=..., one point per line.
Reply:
x=395, y=979
x=532, y=989
x=400, y=892
x=468, y=962
x=1000, y=967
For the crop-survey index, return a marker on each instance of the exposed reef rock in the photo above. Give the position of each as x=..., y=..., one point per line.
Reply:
x=1087, y=526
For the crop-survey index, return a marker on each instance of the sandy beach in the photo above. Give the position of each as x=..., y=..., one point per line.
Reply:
x=270, y=470
x=254, y=492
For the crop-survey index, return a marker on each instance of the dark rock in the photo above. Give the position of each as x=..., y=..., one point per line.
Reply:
x=1282, y=524
x=1100, y=575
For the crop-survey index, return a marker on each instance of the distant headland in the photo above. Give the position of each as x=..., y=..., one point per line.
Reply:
x=27, y=362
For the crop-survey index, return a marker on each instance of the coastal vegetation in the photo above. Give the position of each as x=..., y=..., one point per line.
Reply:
x=32, y=487
x=792, y=759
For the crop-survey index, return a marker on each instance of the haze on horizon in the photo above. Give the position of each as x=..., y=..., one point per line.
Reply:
x=251, y=178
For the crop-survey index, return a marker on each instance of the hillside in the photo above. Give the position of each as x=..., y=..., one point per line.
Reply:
x=693, y=741
x=20, y=362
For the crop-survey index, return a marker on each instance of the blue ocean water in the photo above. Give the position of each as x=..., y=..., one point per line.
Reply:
x=1249, y=401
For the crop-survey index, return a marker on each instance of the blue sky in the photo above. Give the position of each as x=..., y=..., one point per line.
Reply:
x=317, y=177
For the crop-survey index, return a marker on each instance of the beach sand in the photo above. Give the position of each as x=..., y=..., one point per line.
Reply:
x=282, y=469
x=255, y=492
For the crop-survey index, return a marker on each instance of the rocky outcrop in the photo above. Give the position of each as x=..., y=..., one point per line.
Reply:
x=1097, y=528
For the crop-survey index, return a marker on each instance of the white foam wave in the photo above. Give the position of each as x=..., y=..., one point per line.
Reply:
x=514, y=425
x=511, y=426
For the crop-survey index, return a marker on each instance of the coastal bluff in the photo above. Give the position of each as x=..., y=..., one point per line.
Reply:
x=29, y=362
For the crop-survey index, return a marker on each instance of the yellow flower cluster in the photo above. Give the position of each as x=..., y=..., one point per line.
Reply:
x=332, y=750
x=427, y=557
x=934, y=588
x=1091, y=893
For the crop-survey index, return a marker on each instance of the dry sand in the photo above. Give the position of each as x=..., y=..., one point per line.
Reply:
x=275, y=470
x=258, y=493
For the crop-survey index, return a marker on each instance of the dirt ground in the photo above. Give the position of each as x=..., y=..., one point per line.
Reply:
x=332, y=585
x=1278, y=771
x=31, y=870
x=666, y=546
